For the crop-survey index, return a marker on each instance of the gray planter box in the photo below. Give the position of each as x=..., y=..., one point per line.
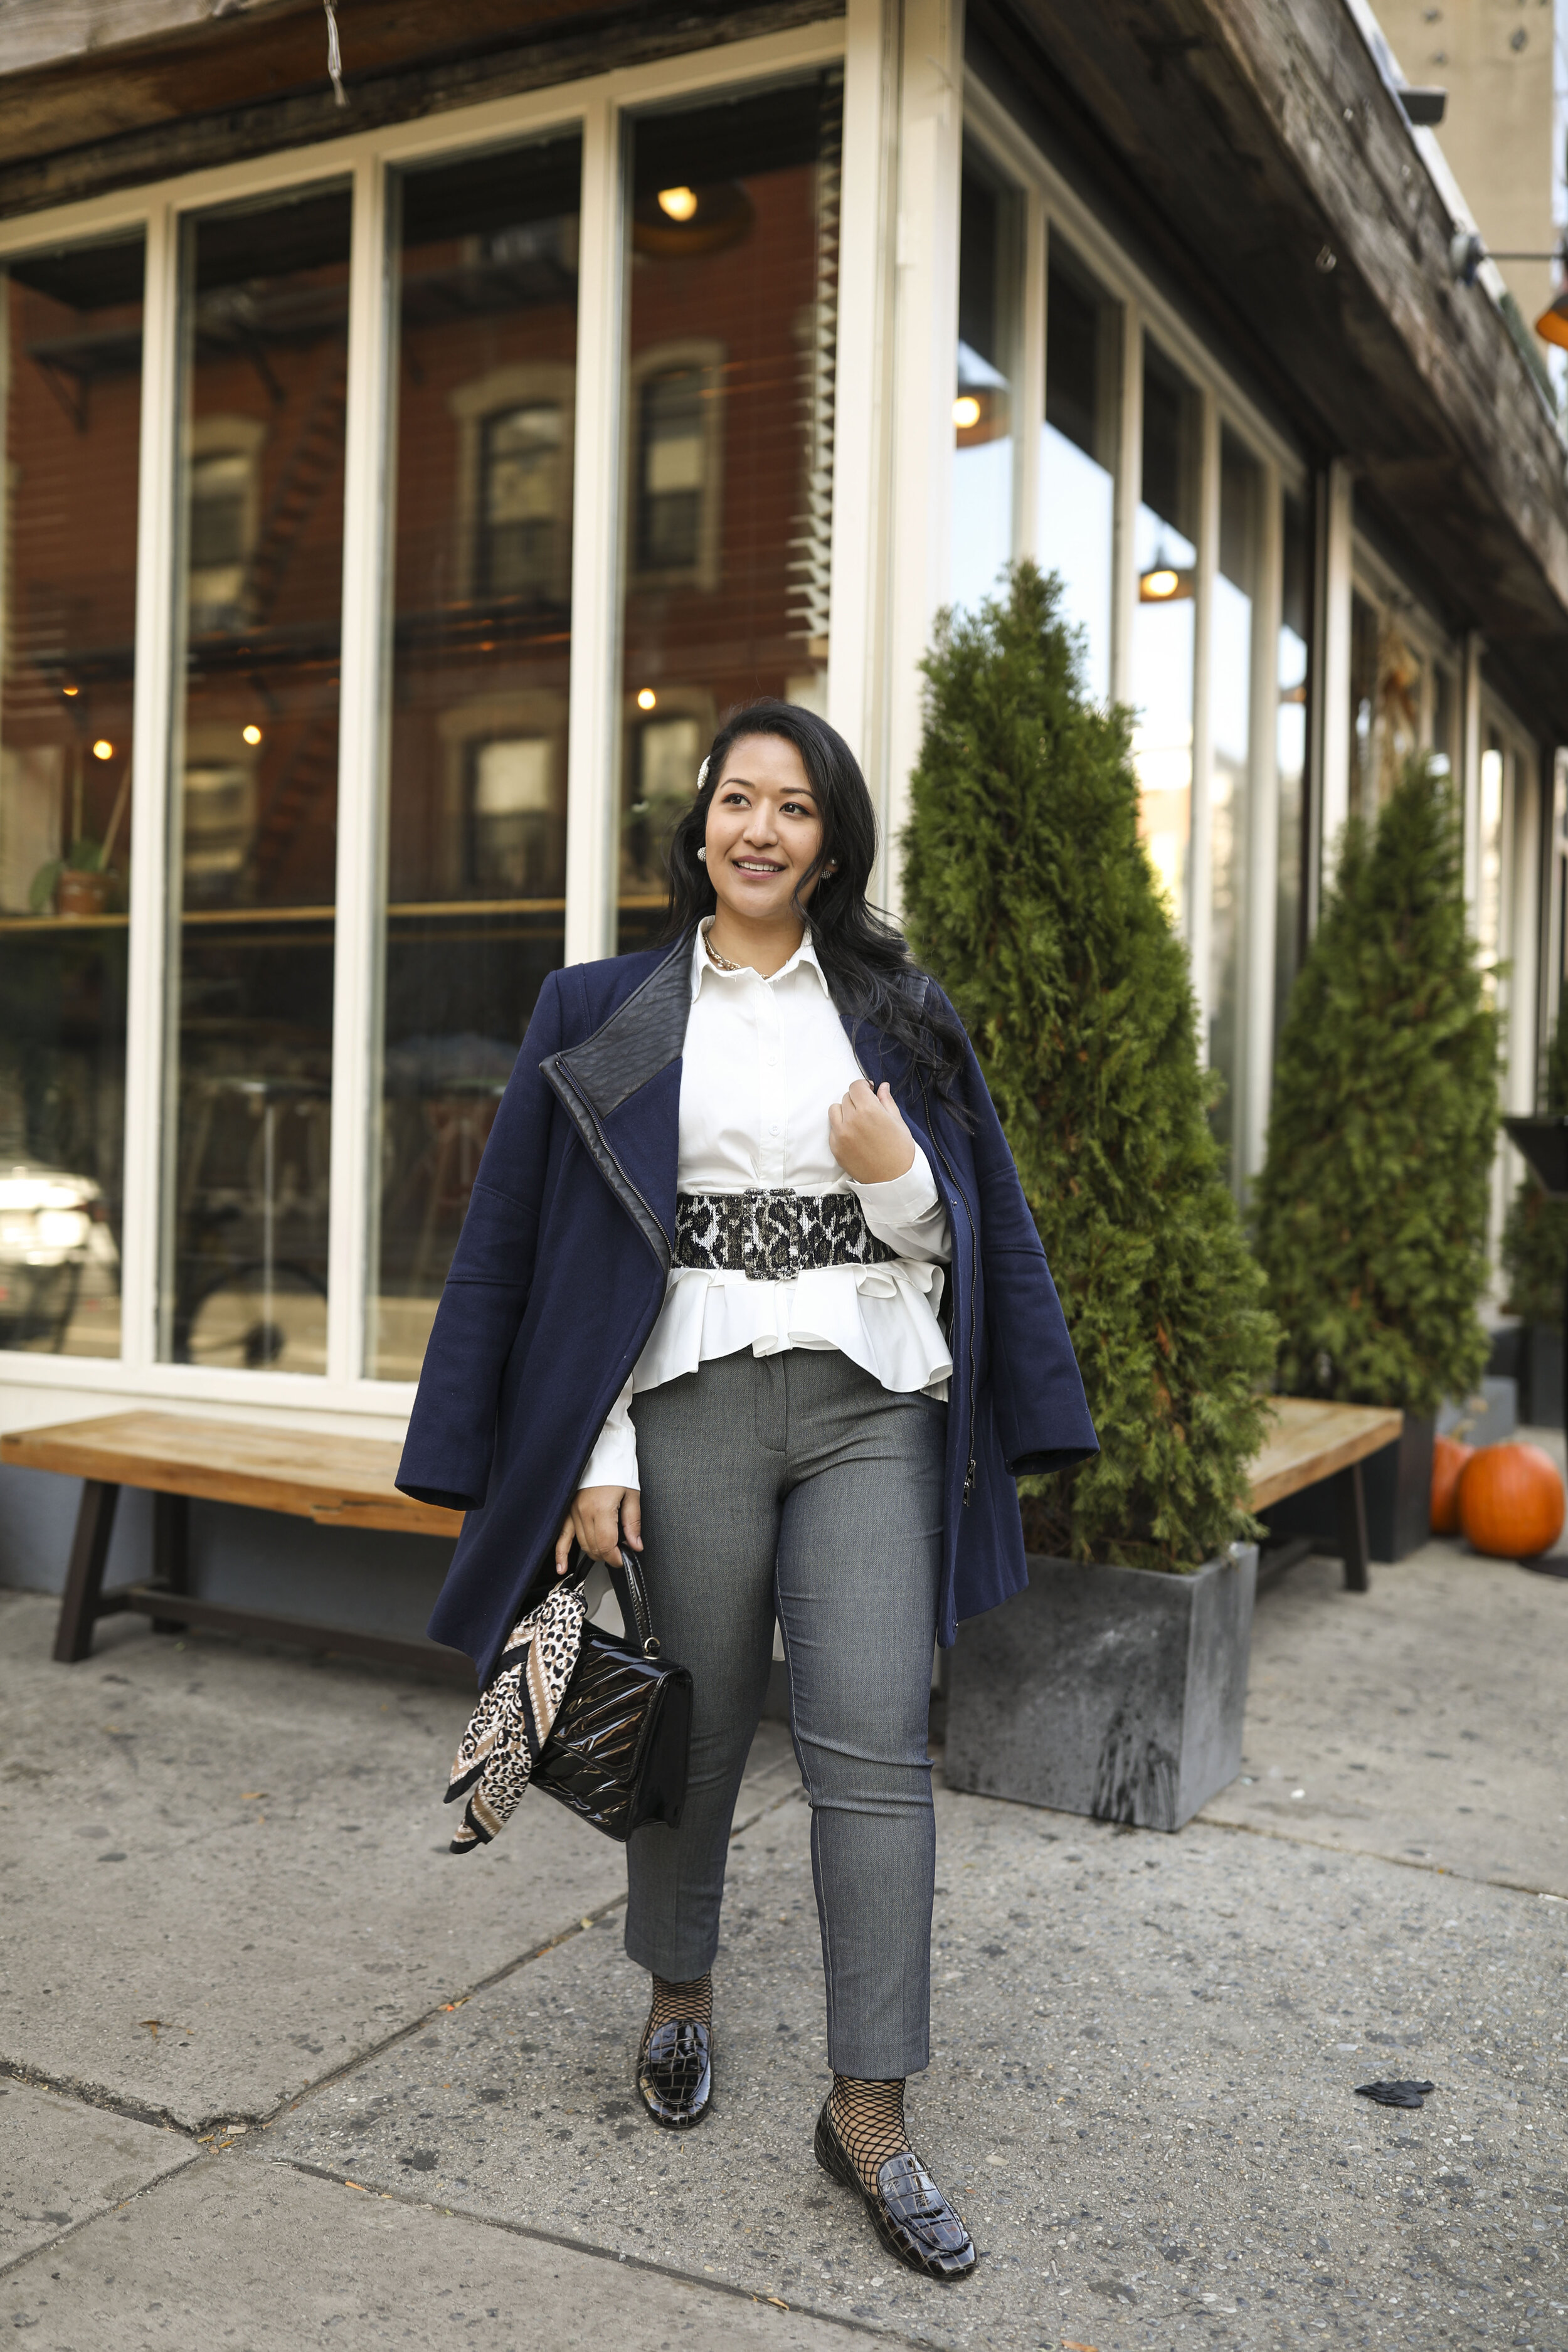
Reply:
x=1108, y=1691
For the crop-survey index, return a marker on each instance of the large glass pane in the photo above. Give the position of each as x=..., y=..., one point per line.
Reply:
x=482, y=633
x=1495, y=763
x=1230, y=722
x=729, y=465
x=70, y=384
x=255, y=834
x=988, y=263
x=1386, y=683
x=1290, y=749
x=1165, y=553
x=1077, y=454
x=1445, y=719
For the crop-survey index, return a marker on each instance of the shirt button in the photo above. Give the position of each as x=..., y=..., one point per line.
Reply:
x=773, y=1130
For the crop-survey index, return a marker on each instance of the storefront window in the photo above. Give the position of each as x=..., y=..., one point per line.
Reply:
x=1165, y=553
x=1077, y=446
x=70, y=384
x=731, y=338
x=1386, y=684
x=1291, y=751
x=481, y=643
x=1495, y=762
x=983, y=465
x=1230, y=720
x=1445, y=720
x=254, y=778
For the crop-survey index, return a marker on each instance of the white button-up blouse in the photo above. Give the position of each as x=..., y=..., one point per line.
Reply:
x=764, y=1059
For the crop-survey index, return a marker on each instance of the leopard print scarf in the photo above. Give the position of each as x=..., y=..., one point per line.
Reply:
x=496, y=1754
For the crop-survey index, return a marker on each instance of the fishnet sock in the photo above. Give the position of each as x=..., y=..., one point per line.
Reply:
x=869, y=2119
x=691, y=2003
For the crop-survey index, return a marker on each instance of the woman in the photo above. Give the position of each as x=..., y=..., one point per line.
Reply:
x=747, y=1275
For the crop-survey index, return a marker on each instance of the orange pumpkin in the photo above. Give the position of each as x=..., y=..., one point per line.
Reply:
x=1511, y=1502
x=1448, y=1460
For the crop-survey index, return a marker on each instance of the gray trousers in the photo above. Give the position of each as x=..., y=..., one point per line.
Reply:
x=796, y=1484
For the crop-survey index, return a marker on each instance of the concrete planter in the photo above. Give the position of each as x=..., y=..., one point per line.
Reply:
x=1108, y=1691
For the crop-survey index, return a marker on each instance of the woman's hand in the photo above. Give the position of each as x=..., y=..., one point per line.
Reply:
x=869, y=1140
x=601, y=1519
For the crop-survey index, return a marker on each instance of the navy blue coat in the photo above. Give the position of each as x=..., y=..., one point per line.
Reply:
x=559, y=1276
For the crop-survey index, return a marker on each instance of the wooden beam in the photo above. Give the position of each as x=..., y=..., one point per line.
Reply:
x=245, y=88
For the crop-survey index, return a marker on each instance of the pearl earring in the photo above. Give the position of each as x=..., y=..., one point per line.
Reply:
x=703, y=857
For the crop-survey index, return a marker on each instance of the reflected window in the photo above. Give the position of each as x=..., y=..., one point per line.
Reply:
x=1291, y=660
x=983, y=401
x=1077, y=454
x=1163, y=626
x=254, y=867
x=512, y=816
x=731, y=335
x=523, y=500
x=676, y=471
x=71, y=416
x=486, y=288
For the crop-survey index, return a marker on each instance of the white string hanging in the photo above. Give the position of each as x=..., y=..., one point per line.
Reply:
x=334, y=53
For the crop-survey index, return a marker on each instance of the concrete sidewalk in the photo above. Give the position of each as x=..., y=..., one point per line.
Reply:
x=276, y=2070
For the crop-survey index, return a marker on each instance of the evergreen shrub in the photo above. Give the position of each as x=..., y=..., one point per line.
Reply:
x=1535, y=1234
x=1030, y=896
x=1371, y=1208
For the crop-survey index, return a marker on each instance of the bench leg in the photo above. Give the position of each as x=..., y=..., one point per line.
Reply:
x=171, y=1553
x=84, y=1577
x=1353, y=1527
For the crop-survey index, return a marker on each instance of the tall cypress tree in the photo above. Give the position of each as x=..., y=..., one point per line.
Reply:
x=1030, y=896
x=1535, y=1235
x=1372, y=1209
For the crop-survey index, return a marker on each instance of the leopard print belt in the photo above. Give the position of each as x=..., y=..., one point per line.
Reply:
x=770, y=1237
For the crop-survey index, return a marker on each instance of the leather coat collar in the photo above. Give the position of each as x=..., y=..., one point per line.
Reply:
x=621, y=1089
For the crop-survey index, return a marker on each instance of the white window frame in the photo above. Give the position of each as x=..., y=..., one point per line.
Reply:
x=34, y=1388
x=1051, y=203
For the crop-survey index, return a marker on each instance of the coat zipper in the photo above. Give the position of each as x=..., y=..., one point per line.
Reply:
x=973, y=1284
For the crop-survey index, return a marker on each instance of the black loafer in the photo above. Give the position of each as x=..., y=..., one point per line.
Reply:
x=908, y=2211
x=675, y=2074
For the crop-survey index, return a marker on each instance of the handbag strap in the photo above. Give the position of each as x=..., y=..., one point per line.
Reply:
x=631, y=1592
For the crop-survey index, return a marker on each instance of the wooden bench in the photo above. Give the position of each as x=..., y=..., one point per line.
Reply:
x=346, y=1481
x=338, y=1482
x=1309, y=1441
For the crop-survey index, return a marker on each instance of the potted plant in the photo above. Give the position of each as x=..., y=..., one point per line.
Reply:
x=1371, y=1208
x=1535, y=1262
x=75, y=885
x=1115, y=1685
x=82, y=882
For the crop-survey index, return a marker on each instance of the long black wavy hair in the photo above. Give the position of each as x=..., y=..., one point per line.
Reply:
x=870, y=971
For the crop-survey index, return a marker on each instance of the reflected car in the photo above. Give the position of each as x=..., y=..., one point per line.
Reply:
x=53, y=1228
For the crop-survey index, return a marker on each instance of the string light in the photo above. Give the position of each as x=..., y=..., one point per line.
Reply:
x=678, y=203
x=103, y=749
x=252, y=734
x=647, y=698
x=965, y=412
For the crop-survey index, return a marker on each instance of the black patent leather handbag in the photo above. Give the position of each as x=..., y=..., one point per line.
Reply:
x=617, y=1754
